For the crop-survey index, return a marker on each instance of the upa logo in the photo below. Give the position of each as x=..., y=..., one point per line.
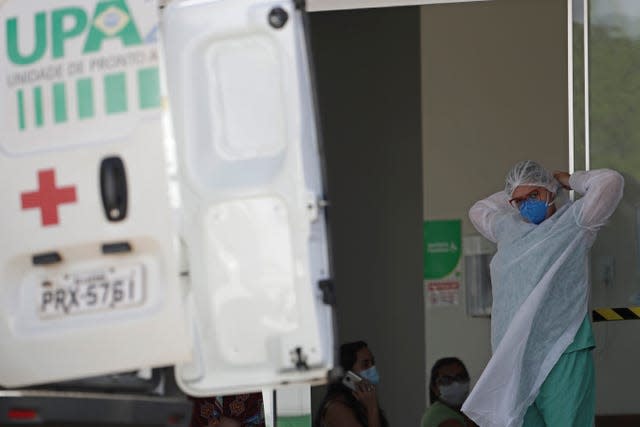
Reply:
x=111, y=19
x=82, y=61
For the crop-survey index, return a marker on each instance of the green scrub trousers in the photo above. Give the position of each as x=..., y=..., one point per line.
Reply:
x=567, y=396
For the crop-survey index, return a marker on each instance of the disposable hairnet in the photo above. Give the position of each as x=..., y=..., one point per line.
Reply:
x=528, y=172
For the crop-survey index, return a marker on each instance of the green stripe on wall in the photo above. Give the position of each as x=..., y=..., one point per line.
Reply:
x=148, y=88
x=59, y=103
x=84, y=89
x=21, y=121
x=37, y=105
x=115, y=92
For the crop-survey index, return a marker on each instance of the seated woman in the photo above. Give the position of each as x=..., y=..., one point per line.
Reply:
x=448, y=388
x=242, y=410
x=344, y=407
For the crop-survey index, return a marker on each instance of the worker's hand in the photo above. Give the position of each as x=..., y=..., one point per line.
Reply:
x=366, y=393
x=563, y=179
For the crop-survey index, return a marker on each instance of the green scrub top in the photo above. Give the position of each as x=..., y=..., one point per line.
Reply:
x=583, y=339
x=438, y=413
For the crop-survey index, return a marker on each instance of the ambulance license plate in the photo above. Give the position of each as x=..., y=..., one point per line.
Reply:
x=93, y=291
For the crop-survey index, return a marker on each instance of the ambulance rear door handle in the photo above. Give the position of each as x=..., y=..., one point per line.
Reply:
x=116, y=248
x=113, y=185
x=46, y=258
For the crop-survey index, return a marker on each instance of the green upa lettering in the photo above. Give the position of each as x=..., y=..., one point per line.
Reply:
x=40, y=38
x=58, y=33
x=111, y=19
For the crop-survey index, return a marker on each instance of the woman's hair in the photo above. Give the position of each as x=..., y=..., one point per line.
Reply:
x=349, y=354
x=434, y=373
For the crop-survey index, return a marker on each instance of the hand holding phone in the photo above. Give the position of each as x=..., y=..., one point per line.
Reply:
x=362, y=389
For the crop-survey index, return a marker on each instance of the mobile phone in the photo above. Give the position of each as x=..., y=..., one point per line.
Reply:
x=350, y=380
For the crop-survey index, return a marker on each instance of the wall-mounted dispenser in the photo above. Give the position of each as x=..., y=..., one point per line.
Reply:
x=478, y=252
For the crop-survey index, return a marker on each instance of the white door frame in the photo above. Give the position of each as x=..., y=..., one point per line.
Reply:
x=325, y=5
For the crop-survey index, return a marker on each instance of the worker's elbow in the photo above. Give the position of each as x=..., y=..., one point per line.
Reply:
x=613, y=180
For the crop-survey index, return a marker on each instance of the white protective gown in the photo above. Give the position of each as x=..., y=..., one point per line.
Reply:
x=540, y=292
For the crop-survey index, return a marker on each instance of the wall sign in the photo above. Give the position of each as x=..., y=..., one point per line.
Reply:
x=442, y=262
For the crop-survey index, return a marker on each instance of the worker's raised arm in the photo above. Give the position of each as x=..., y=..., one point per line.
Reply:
x=484, y=213
x=602, y=189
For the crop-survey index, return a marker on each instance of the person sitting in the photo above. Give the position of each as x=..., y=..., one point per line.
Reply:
x=448, y=388
x=242, y=410
x=344, y=407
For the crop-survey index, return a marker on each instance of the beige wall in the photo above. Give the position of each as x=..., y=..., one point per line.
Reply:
x=494, y=91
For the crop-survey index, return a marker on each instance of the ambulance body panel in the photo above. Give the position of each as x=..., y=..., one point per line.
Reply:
x=88, y=259
x=89, y=266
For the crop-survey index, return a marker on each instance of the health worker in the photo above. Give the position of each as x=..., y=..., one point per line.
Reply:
x=541, y=372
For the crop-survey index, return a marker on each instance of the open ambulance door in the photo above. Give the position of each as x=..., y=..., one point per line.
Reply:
x=253, y=219
x=88, y=272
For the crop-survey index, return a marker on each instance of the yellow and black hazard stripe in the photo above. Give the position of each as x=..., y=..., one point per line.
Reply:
x=618, y=313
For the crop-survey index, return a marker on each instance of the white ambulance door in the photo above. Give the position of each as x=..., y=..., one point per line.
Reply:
x=252, y=194
x=88, y=276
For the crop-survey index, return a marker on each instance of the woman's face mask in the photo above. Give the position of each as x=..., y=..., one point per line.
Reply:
x=370, y=375
x=455, y=393
x=365, y=366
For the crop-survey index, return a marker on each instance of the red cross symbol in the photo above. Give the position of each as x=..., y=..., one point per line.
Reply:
x=48, y=197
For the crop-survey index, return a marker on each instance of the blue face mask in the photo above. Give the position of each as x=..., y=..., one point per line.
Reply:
x=534, y=210
x=370, y=375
